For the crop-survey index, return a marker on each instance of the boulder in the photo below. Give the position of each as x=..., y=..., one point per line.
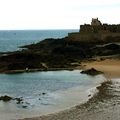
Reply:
x=91, y=71
x=6, y=98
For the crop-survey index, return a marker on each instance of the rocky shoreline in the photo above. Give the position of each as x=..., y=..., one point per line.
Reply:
x=103, y=106
x=35, y=70
x=55, y=54
x=95, y=42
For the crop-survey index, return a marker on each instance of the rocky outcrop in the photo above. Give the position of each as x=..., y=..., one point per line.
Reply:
x=92, y=72
x=52, y=54
x=6, y=98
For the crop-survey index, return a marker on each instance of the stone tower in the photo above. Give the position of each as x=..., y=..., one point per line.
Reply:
x=95, y=21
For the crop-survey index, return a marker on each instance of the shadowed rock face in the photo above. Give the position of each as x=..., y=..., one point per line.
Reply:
x=54, y=53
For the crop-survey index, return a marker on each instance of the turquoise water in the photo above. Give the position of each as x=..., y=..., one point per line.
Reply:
x=12, y=39
x=31, y=86
x=26, y=84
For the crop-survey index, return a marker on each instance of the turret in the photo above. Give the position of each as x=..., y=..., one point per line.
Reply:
x=95, y=21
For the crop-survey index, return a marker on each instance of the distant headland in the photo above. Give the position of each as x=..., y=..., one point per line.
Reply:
x=92, y=41
x=96, y=32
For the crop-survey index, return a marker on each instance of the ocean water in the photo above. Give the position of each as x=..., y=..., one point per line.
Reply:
x=10, y=40
x=27, y=84
x=43, y=92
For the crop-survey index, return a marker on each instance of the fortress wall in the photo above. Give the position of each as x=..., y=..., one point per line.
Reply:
x=112, y=28
x=93, y=37
x=95, y=33
x=106, y=36
x=90, y=37
x=98, y=28
x=91, y=28
x=78, y=37
x=85, y=29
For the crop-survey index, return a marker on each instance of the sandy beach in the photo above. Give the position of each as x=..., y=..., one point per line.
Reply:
x=103, y=106
x=110, y=67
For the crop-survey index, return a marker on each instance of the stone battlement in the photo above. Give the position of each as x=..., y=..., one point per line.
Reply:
x=96, y=32
x=99, y=28
x=95, y=22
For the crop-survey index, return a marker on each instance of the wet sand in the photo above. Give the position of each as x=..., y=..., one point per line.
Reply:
x=111, y=67
x=77, y=114
x=103, y=106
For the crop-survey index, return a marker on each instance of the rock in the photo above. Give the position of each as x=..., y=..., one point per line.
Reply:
x=6, y=98
x=89, y=95
x=43, y=93
x=19, y=100
x=112, y=46
x=92, y=72
x=24, y=106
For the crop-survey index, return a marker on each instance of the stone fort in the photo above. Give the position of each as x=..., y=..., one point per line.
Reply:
x=96, y=32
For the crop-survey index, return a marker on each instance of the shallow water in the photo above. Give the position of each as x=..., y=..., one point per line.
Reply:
x=44, y=92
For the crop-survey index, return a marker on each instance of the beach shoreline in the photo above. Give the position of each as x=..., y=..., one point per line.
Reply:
x=111, y=69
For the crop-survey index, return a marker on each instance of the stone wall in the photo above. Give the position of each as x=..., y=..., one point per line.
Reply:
x=106, y=28
x=90, y=37
x=110, y=36
x=95, y=33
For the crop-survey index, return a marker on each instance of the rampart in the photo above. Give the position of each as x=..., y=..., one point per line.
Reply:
x=94, y=33
x=99, y=28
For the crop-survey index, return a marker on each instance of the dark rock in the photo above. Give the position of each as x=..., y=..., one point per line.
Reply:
x=6, y=98
x=112, y=46
x=43, y=93
x=91, y=71
x=19, y=100
x=89, y=95
x=24, y=106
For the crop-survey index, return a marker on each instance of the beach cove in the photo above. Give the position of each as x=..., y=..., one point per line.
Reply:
x=48, y=79
x=103, y=106
x=45, y=92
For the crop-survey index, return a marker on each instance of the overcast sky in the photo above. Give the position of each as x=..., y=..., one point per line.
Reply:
x=56, y=14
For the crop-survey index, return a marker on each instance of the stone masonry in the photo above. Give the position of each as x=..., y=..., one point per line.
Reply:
x=96, y=32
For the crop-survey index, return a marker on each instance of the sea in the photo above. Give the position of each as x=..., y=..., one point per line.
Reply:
x=41, y=92
x=11, y=40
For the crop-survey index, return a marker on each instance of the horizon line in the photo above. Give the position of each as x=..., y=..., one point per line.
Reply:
x=38, y=29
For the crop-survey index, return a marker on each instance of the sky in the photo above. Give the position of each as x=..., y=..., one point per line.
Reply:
x=56, y=14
